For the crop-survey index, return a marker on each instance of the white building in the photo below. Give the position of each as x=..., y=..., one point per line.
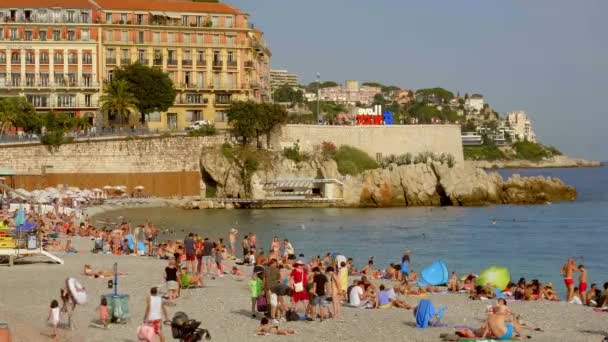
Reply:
x=350, y=93
x=522, y=126
x=474, y=103
x=280, y=78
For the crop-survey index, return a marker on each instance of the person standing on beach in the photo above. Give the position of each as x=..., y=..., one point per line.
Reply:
x=405, y=265
x=208, y=246
x=232, y=240
x=582, y=283
x=272, y=277
x=190, y=252
x=245, y=246
x=156, y=311
x=568, y=270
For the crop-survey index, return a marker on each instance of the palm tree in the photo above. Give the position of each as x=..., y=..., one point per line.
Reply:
x=118, y=99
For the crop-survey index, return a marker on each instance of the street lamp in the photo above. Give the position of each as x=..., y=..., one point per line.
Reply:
x=318, y=97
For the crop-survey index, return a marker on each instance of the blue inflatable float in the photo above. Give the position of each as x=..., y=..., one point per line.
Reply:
x=140, y=244
x=435, y=274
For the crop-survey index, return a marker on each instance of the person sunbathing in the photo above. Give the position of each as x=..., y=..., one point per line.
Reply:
x=88, y=271
x=548, y=293
x=497, y=326
x=237, y=272
x=454, y=283
x=388, y=299
x=266, y=328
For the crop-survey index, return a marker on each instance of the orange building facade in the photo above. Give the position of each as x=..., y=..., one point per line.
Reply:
x=59, y=53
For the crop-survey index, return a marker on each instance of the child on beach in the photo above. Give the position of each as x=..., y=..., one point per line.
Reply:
x=54, y=316
x=266, y=328
x=104, y=314
x=255, y=286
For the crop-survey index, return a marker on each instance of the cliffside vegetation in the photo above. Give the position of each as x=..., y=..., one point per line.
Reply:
x=251, y=120
x=521, y=150
x=350, y=160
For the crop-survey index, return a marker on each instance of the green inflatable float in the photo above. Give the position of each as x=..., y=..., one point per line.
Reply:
x=498, y=276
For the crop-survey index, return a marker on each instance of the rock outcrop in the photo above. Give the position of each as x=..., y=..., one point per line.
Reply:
x=553, y=162
x=424, y=184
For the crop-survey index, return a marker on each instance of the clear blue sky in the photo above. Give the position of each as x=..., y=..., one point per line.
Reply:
x=547, y=57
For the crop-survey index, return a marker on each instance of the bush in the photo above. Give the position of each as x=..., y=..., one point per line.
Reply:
x=489, y=153
x=55, y=138
x=530, y=151
x=399, y=160
x=328, y=149
x=293, y=153
x=203, y=131
x=227, y=151
x=352, y=161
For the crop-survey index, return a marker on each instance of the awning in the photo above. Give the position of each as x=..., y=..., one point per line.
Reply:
x=173, y=15
x=6, y=171
x=158, y=13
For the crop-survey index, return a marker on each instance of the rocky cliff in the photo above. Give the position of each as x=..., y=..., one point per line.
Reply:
x=430, y=184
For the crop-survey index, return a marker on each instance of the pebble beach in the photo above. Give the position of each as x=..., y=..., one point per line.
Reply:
x=223, y=307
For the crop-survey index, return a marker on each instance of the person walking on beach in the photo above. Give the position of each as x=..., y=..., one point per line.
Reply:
x=582, y=283
x=336, y=292
x=245, y=246
x=299, y=281
x=208, y=246
x=568, y=270
x=155, y=312
x=54, y=317
x=272, y=277
x=190, y=252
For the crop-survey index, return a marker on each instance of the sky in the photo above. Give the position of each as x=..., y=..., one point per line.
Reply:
x=547, y=57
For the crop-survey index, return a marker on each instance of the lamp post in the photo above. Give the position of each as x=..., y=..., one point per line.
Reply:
x=318, y=97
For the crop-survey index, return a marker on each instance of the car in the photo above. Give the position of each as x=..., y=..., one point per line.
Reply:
x=197, y=124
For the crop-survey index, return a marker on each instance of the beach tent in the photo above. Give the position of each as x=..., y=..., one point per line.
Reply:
x=497, y=276
x=435, y=274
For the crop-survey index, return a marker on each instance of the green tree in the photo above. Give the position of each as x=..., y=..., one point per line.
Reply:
x=152, y=87
x=16, y=111
x=443, y=94
x=243, y=117
x=379, y=100
x=286, y=93
x=313, y=86
x=118, y=98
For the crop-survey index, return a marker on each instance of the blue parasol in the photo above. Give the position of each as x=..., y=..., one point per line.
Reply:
x=26, y=227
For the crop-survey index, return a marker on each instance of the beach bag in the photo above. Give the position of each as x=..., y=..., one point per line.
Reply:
x=298, y=287
x=261, y=303
x=292, y=316
x=145, y=332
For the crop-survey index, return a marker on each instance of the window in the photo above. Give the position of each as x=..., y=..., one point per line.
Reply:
x=215, y=21
x=200, y=79
x=14, y=33
x=30, y=58
x=170, y=37
x=28, y=35
x=200, y=57
x=199, y=21
x=140, y=19
x=38, y=100
x=56, y=35
x=44, y=58
x=59, y=80
x=221, y=117
x=66, y=100
x=194, y=98
x=15, y=57
x=87, y=100
x=187, y=56
x=124, y=36
x=3, y=79
x=230, y=41
x=172, y=57
x=216, y=39
x=72, y=58
x=42, y=35
x=28, y=15
x=217, y=60
x=186, y=38
x=193, y=115
x=71, y=35
x=124, y=56
x=108, y=18
x=156, y=37
x=141, y=55
x=84, y=35
x=229, y=22
x=222, y=98
x=1, y=29
x=70, y=17
x=87, y=58
x=15, y=79
x=44, y=79
x=231, y=57
x=2, y=57
x=84, y=17
x=71, y=79
x=58, y=58
x=199, y=39
x=123, y=18
x=30, y=80
x=187, y=78
x=110, y=75
x=216, y=80
x=185, y=20
x=140, y=37
x=109, y=35
x=153, y=117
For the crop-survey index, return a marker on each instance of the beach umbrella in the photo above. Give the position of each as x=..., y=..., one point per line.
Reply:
x=497, y=276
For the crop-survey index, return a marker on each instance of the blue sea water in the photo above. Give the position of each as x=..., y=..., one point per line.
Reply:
x=532, y=241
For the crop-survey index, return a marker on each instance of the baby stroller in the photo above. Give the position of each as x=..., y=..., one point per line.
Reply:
x=187, y=330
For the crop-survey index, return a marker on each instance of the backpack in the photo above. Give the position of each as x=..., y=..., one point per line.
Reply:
x=261, y=303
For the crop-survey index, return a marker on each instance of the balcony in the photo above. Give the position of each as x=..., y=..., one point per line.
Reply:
x=186, y=62
x=111, y=61
x=232, y=64
x=143, y=61
x=201, y=63
x=58, y=61
x=125, y=61
x=158, y=61
x=172, y=62
x=85, y=61
x=248, y=64
x=254, y=85
x=217, y=65
x=192, y=102
x=72, y=61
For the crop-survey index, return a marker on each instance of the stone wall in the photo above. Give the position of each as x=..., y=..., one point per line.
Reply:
x=387, y=140
x=175, y=154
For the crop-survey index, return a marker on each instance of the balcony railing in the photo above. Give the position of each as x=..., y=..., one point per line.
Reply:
x=217, y=64
x=186, y=62
x=158, y=61
x=249, y=64
x=125, y=61
x=172, y=62
x=110, y=60
x=201, y=63
x=232, y=64
x=143, y=61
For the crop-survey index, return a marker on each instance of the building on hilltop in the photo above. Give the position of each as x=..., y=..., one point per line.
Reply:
x=350, y=93
x=279, y=78
x=58, y=54
x=474, y=103
x=521, y=126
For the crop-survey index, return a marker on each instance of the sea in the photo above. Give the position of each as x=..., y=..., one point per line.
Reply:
x=532, y=241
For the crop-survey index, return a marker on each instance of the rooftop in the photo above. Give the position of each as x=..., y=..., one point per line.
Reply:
x=130, y=5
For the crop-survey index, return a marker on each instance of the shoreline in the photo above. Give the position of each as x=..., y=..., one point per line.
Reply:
x=560, y=162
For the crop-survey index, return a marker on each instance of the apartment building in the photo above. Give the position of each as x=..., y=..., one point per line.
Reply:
x=279, y=78
x=521, y=125
x=350, y=93
x=59, y=53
